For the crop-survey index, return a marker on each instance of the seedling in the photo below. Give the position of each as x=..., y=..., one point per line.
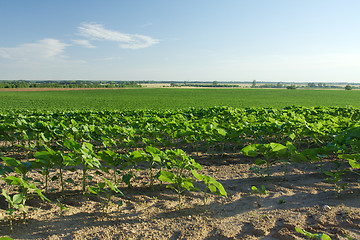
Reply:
x=272, y=153
x=85, y=155
x=210, y=183
x=334, y=177
x=321, y=236
x=258, y=193
x=178, y=165
x=106, y=192
x=180, y=183
x=62, y=208
x=14, y=203
x=17, y=201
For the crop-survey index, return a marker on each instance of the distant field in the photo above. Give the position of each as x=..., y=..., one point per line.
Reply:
x=170, y=98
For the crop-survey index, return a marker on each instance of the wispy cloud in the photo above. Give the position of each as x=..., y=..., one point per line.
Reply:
x=148, y=24
x=45, y=49
x=132, y=41
x=84, y=43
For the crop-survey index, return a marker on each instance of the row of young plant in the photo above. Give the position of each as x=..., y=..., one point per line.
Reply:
x=172, y=166
x=201, y=129
x=118, y=142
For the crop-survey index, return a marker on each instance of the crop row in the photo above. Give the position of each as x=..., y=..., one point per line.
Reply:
x=118, y=142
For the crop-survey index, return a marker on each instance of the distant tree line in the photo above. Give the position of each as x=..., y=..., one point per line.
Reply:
x=267, y=85
x=213, y=84
x=67, y=84
x=322, y=85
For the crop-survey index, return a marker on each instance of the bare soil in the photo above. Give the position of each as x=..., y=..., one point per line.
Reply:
x=304, y=199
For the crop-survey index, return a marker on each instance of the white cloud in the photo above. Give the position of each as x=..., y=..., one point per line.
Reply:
x=84, y=43
x=132, y=41
x=46, y=49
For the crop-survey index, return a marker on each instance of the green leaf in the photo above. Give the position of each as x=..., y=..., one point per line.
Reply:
x=188, y=185
x=251, y=150
x=137, y=154
x=93, y=190
x=276, y=147
x=18, y=198
x=221, y=131
x=292, y=136
x=152, y=150
x=220, y=187
x=166, y=176
x=259, y=161
x=299, y=230
x=12, y=180
x=127, y=178
x=11, y=162
x=101, y=185
x=325, y=236
x=197, y=175
x=354, y=163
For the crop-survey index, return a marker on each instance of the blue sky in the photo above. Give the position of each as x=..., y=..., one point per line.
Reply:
x=184, y=40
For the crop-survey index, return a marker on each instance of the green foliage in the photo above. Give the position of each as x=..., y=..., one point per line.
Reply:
x=62, y=207
x=309, y=235
x=348, y=87
x=272, y=153
x=335, y=178
x=169, y=98
x=18, y=200
x=259, y=193
x=177, y=174
x=210, y=183
x=121, y=142
x=106, y=192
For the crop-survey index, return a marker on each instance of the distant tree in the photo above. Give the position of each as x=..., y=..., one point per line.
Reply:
x=311, y=84
x=253, y=85
x=348, y=87
x=215, y=83
x=291, y=87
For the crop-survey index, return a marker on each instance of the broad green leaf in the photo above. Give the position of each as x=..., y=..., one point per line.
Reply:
x=152, y=150
x=259, y=161
x=197, y=175
x=166, y=176
x=220, y=187
x=188, y=185
x=251, y=150
x=18, y=198
x=11, y=162
x=354, y=163
x=276, y=147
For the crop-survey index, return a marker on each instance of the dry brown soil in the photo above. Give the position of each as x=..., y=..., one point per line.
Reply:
x=303, y=200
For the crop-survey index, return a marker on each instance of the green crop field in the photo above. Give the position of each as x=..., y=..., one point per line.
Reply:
x=165, y=98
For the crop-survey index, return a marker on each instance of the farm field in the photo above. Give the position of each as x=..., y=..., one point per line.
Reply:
x=168, y=98
x=142, y=173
